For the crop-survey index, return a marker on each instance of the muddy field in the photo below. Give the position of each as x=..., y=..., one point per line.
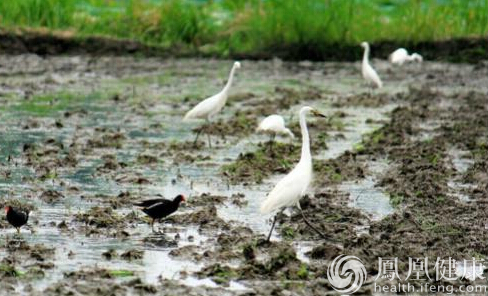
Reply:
x=399, y=172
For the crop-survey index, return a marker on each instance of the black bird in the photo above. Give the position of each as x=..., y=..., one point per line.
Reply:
x=160, y=208
x=16, y=218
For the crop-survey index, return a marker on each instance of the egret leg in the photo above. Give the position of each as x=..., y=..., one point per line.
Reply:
x=272, y=227
x=209, y=142
x=309, y=224
x=208, y=135
x=371, y=90
x=271, y=142
x=196, y=138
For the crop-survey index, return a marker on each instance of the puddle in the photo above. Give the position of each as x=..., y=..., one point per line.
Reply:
x=365, y=196
x=302, y=248
x=460, y=159
x=146, y=115
x=108, y=111
x=458, y=189
x=196, y=179
x=356, y=125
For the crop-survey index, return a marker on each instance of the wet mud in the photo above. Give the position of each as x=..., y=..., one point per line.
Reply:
x=79, y=159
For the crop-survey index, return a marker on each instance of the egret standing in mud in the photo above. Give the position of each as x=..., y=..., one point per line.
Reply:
x=400, y=56
x=212, y=105
x=369, y=74
x=273, y=125
x=293, y=186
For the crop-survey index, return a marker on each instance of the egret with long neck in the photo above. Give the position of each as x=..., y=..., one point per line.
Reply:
x=209, y=107
x=293, y=186
x=369, y=74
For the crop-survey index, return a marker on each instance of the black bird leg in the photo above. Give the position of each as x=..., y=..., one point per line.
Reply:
x=159, y=229
x=152, y=225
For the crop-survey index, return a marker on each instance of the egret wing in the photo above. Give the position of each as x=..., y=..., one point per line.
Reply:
x=272, y=123
x=287, y=191
x=205, y=108
x=399, y=56
x=373, y=76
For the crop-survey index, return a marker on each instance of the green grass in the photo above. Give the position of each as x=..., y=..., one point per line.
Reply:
x=287, y=232
x=239, y=26
x=396, y=200
x=121, y=273
x=47, y=105
x=303, y=272
x=9, y=270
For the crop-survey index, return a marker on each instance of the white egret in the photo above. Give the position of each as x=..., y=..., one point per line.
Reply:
x=369, y=74
x=273, y=125
x=401, y=56
x=212, y=105
x=293, y=186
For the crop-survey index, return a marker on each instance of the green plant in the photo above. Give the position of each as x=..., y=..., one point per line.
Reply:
x=239, y=26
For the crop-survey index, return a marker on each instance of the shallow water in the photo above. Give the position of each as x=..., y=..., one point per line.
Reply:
x=158, y=120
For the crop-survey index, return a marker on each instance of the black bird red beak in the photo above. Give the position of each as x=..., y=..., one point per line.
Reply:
x=7, y=208
x=183, y=199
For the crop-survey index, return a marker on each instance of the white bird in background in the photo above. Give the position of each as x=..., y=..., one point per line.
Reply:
x=293, y=186
x=401, y=56
x=212, y=105
x=273, y=125
x=368, y=72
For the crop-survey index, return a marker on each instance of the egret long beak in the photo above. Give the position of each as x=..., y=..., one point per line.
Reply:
x=317, y=113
